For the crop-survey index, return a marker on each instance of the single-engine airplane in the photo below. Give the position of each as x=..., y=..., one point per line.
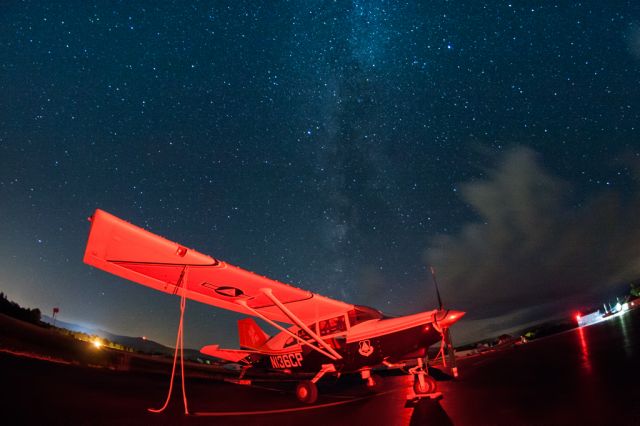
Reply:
x=323, y=337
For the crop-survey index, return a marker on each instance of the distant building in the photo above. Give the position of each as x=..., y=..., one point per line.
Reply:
x=591, y=318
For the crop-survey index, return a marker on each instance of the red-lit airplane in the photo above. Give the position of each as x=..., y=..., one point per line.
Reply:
x=324, y=336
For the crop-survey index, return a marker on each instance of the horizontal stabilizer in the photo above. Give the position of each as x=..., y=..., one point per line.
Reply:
x=233, y=355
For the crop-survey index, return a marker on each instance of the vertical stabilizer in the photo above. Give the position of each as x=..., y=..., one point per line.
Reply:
x=251, y=335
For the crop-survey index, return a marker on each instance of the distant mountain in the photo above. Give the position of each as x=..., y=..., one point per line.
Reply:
x=70, y=326
x=136, y=343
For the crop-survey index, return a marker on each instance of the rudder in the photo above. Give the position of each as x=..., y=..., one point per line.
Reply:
x=251, y=335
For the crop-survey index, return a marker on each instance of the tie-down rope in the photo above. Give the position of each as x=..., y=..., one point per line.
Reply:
x=180, y=347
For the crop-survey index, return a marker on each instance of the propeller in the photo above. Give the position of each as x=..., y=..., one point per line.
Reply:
x=446, y=346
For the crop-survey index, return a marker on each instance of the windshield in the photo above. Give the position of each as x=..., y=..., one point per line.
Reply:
x=363, y=313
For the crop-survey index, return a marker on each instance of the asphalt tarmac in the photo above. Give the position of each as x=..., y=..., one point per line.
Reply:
x=584, y=376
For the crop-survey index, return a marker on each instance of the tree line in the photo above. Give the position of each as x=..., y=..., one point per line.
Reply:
x=12, y=309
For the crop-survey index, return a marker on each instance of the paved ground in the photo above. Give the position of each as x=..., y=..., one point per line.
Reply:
x=585, y=376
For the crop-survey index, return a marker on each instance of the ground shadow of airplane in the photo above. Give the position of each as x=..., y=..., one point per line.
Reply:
x=429, y=412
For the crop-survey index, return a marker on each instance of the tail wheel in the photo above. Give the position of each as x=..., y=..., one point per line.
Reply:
x=307, y=392
x=427, y=385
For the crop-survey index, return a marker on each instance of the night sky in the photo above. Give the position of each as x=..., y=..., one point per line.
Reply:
x=338, y=146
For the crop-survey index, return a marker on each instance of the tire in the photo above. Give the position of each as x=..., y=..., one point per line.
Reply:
x=430, y=385
x=307, y=392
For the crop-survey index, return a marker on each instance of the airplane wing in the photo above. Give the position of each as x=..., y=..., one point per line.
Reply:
x=130, y=252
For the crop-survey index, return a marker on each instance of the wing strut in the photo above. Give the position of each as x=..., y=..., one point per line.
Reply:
x=295, y=336
x=281, y=328
x=269, y=293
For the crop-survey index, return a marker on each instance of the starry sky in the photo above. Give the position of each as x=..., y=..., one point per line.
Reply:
x=340, y=146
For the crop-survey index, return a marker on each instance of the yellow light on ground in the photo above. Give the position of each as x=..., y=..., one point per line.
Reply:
x=97, y=343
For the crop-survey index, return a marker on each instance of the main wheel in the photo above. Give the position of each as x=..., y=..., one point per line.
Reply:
x=307, y=392
x=428, y=385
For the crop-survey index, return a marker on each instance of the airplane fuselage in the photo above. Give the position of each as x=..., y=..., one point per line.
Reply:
x=356, y=355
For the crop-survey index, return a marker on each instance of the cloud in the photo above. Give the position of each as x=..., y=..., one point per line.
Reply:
x=533, y=246
x=633, y=39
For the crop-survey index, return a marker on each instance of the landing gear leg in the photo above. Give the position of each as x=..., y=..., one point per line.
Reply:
x=243, y=371
x=372, y=381
x=423, y=384
x=326, y=368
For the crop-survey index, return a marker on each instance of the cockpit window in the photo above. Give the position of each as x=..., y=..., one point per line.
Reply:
x=332, y=326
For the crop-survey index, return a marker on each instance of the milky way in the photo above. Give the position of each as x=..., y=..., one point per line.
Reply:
x=338, y=146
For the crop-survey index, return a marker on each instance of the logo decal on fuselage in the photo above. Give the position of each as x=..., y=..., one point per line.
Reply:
x=286, y=360
x=365, y=348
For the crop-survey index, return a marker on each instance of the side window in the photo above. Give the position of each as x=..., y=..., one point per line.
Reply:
x=304, y=335
x=301, y=334
x=353, y=320
x=332, y=326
